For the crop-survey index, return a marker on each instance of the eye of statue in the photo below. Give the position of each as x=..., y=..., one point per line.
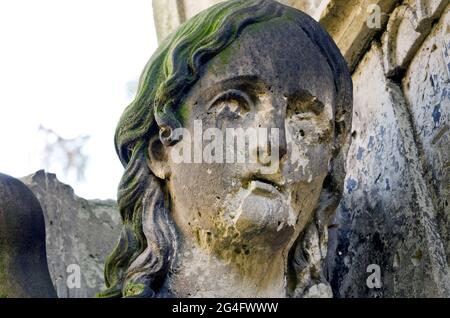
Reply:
x=233, y=99
x=304, y=106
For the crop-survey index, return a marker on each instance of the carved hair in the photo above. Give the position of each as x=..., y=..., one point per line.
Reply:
x=146, y=248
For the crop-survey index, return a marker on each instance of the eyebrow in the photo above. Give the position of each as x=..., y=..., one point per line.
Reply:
x=243, y=82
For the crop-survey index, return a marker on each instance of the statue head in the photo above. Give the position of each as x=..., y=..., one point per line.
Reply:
x=191, y=202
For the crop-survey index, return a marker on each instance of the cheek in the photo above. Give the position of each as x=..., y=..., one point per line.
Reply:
x=309, y=150
x=304, y=199
x=199, y=193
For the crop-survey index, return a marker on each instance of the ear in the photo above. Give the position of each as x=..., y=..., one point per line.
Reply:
x=158, y=155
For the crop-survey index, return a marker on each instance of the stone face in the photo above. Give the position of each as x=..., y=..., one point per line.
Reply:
x=395, y=210
x=394, y=215
x=80, y=232
x=259, y=213
x=427, y=91
x=211, y=222
x=386, y=217
x=23, y=263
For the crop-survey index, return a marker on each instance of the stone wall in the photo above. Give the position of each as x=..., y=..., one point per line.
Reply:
x=395, y=211
x=79, y=232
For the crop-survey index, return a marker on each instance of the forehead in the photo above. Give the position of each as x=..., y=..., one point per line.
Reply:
x=278, y=53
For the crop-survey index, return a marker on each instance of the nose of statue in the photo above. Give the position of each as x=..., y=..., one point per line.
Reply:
x=271, y=122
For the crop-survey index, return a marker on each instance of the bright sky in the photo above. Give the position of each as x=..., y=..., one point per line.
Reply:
x=69, y=65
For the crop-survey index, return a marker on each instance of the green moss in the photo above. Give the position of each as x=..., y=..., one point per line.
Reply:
x=171, y=72
x=225, y=56
x=183, y=111
x=133, y=289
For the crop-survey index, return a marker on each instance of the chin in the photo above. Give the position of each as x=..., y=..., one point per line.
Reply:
x=265, y=217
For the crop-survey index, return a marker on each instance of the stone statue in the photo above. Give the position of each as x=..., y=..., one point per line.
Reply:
x=23, y=263
x=211, y=228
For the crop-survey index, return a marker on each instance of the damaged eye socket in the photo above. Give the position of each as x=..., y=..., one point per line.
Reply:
x=236, y=100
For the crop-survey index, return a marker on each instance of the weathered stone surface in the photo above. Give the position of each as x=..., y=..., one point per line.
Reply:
x=427, y=90
x=210, y=223
x=387, y=216
x=312, y=7
x=395, y=212
x=78, y=231
x=168, y=14
x=346, y=21
x=408, y=25
x=23, y=263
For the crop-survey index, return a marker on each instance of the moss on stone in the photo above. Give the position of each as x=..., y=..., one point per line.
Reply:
x=133, y=289
x=183, y=112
